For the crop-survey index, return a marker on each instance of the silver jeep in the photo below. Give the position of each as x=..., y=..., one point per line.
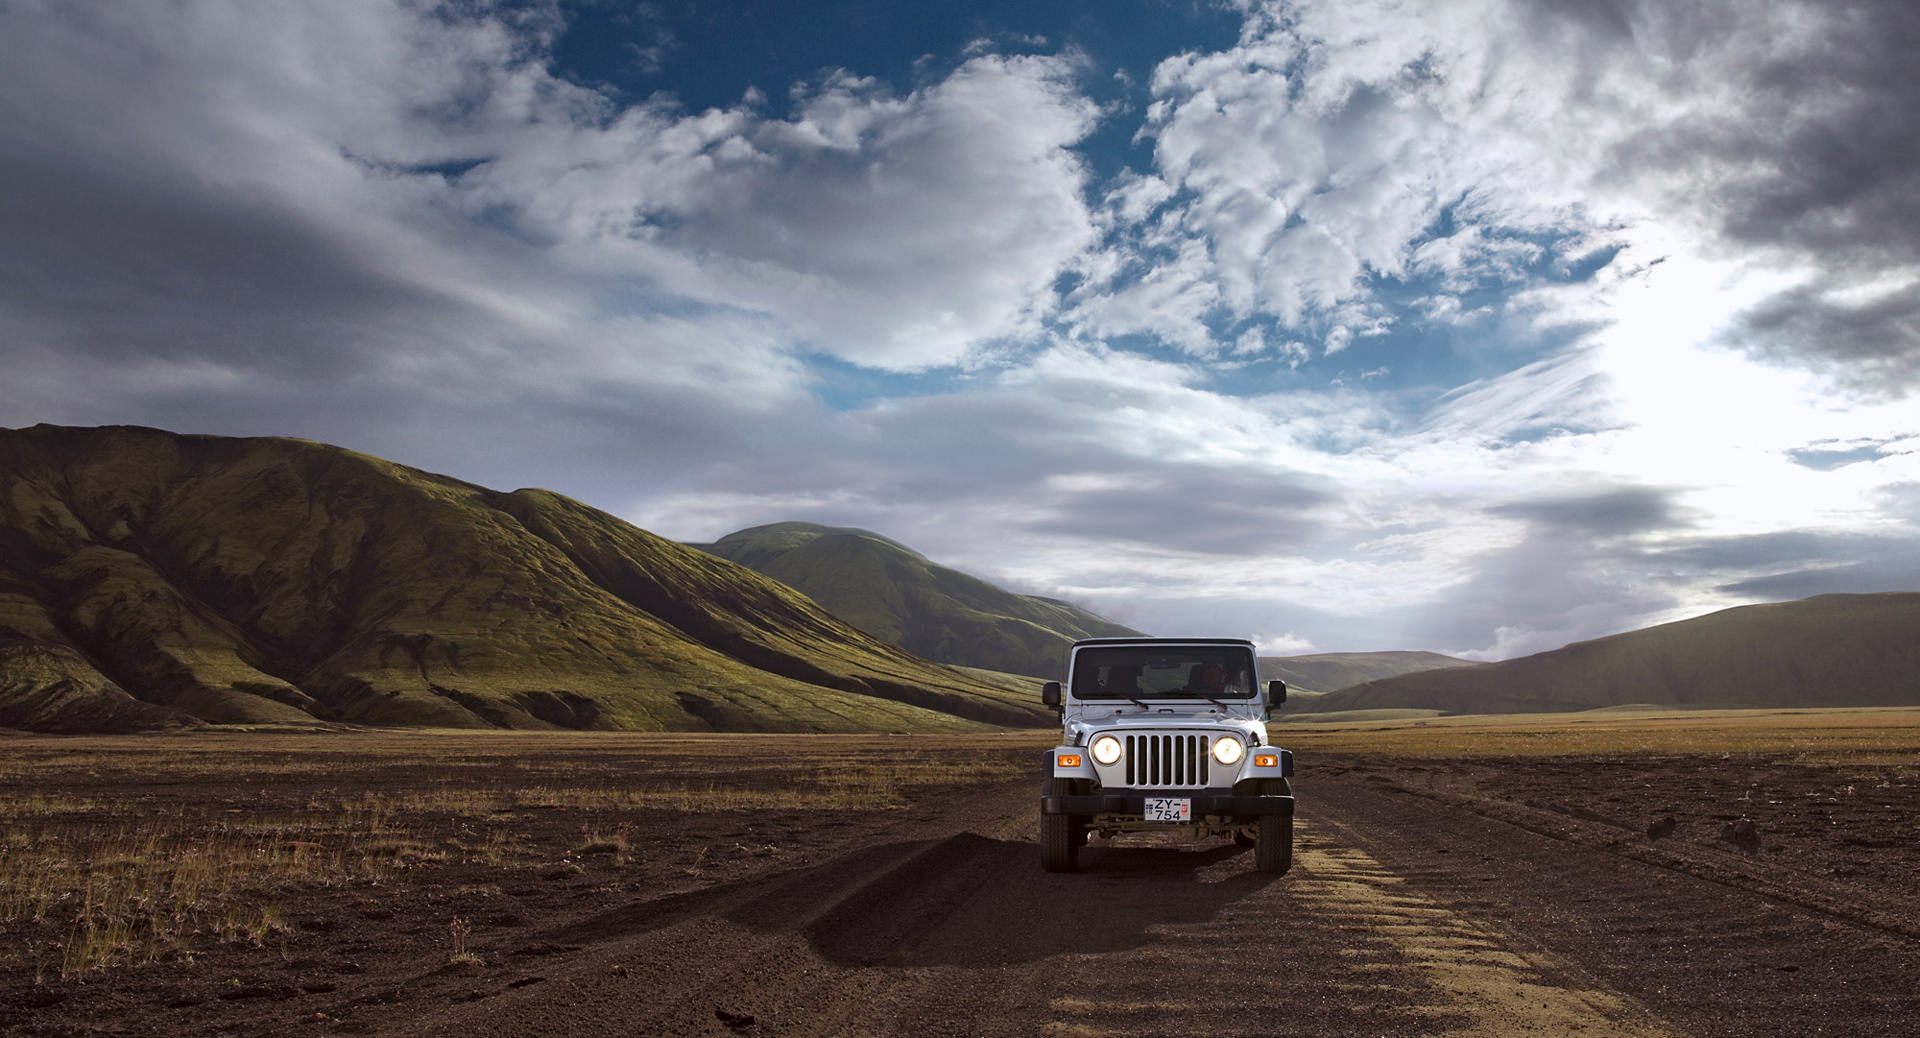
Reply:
x=1165, y=735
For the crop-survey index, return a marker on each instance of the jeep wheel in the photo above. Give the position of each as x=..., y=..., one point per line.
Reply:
x=1273, y=853
x=1061, y=835
x=1273, y=849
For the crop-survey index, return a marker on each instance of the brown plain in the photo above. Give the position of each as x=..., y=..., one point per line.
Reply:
x=1696, y=873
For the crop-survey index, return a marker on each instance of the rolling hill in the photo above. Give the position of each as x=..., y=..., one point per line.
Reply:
x=148, y=578
x=894, y=593
x=1832, y=650
x=1330, y=671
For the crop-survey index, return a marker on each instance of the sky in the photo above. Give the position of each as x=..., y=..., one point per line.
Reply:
x=1472, y=326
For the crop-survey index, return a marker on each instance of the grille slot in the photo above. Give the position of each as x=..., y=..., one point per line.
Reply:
x=1166, y=761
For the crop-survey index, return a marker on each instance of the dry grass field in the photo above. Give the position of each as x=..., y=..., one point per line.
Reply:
x=1821, y=807
x=124, y=850
x=1889, y=735
x=196, y=883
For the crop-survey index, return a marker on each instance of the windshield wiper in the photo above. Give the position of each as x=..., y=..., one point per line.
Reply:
x=1190, y=694
x=1164, y=696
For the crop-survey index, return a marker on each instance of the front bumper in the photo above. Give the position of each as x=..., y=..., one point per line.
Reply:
x=1133, y=802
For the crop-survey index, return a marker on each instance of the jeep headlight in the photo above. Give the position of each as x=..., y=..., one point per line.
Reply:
x=1106, y=749
x=1227, y=751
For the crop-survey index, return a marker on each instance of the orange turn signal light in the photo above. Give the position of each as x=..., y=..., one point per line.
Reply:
x=1266, y=760
x=1069, y=760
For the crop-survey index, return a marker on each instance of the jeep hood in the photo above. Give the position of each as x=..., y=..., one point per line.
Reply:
x=1082, y=728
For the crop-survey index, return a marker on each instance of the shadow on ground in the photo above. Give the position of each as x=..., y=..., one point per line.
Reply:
x=965, y=900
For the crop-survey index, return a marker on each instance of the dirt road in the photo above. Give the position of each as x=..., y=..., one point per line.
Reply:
x=1408, y=912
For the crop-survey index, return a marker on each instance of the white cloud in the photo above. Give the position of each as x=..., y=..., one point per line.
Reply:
x=1170, y=298
x=898, y=232
x=1322, y=151
x=1343, y=142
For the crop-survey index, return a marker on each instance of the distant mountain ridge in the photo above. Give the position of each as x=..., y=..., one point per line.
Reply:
x=896, y=594
x=1826, y=651
x=1332, y=671
x=149, y=578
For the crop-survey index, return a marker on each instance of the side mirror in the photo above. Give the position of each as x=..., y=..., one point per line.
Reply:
x=1050, y=694
x=1276, y=694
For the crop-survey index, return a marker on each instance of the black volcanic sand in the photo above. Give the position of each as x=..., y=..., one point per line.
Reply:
x=1488, y=896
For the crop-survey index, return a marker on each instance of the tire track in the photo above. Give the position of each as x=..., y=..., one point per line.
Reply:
x=1713, y=955
x=1495, y=980
x=1342, y=945
x=1847, y=902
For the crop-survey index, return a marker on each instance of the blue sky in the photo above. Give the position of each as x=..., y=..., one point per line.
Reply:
x=1478, y=326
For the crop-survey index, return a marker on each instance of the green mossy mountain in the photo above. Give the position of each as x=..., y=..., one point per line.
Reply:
x=1331, y=671
x=894, y=593
x=148, y=578
x=1827, y=651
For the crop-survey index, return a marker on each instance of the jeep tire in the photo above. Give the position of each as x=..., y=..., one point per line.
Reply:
x=1273, y=847
x=1273, y=851
x=1061, y=835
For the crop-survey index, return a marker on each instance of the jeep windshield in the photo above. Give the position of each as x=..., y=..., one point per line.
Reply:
x=1163, y=672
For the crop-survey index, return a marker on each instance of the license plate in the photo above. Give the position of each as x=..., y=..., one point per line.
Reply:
x=1169, y=809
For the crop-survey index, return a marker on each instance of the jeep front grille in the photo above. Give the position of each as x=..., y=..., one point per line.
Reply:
x=1164, y=761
